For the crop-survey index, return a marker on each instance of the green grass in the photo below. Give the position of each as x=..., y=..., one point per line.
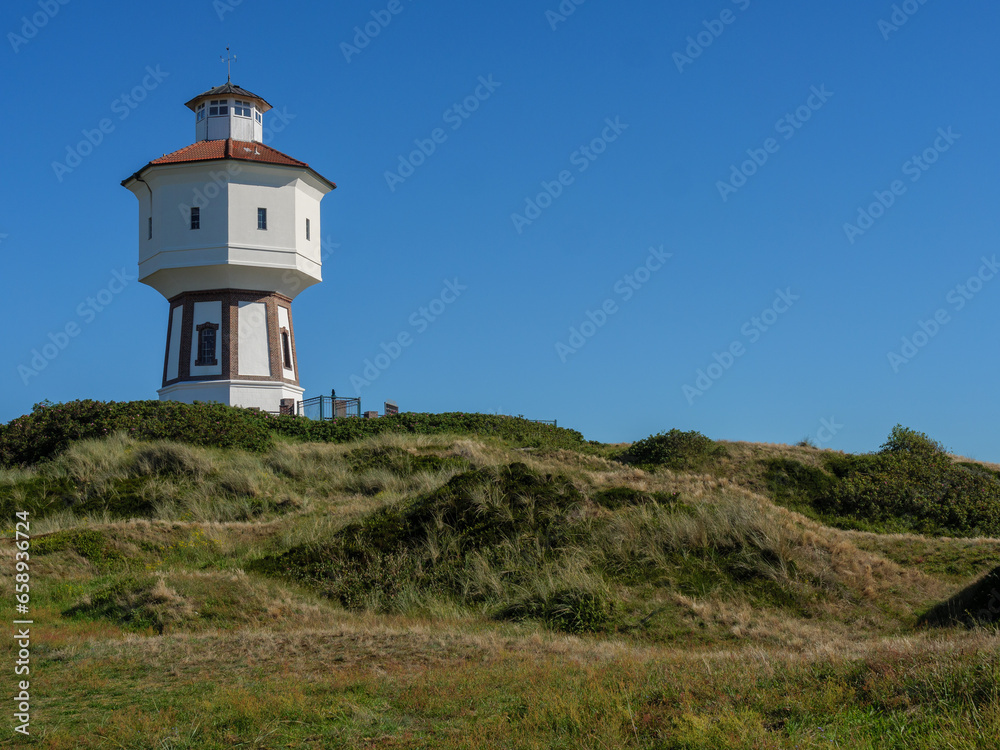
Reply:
x=453, y=588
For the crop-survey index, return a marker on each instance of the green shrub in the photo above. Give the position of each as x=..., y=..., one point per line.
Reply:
x=795, y=483
x=50, y=428
x=912, y=485
x=675, y=450
x=569, y=610
x=904, y=440
x=514, y=430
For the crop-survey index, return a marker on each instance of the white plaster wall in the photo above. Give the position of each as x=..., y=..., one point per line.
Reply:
x=174, y=346
x=248, y=394
x=206, y=312
x=284, y=322
x=273, y=189
x=254, y=352
x=228, y=251
x=307, y=200
x=175, y=189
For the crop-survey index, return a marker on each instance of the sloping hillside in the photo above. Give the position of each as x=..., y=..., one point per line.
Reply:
x=469, y=581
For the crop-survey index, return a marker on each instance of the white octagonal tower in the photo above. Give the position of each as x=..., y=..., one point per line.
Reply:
x=229, y=233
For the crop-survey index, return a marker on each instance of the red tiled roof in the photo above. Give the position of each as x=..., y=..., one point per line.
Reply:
x=228, y=149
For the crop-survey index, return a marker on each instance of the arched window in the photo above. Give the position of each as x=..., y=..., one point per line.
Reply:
x=207, y=341
x=286, y=349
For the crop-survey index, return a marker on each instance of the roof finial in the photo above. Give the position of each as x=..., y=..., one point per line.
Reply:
x=229, y=60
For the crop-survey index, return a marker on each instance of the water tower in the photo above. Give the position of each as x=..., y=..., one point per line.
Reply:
x=229, y=233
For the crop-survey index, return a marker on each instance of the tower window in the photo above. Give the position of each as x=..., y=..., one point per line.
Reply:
x=196, y=218
x=286, y=349
x=307, y=229
x=207, y=339
x=201, y=111
x=150, y=236
x=262, y=218
x=241, y=108
x=218, y=108
x=258, y=116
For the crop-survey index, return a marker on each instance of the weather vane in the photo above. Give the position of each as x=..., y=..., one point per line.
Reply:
x=229, y=60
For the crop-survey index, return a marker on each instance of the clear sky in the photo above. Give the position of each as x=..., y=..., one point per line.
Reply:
x=762, y=221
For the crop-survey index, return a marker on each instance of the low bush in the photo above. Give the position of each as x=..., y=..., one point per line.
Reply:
x=451, y=542
x=515, y=430
x=51, y=428
x=135, y=603
x=912, y=485
x=681, y=451
x=570, y=610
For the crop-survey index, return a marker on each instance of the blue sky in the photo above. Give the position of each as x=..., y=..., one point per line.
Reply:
x=763, y=222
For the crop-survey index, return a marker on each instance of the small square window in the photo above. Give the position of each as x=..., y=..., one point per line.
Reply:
x=262, y=218
x=196, y=218
x=307, y=229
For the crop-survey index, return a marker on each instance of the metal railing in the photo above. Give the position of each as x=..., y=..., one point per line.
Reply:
x=329, y=407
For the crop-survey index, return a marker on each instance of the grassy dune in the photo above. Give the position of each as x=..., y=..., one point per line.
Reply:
x=460, y=590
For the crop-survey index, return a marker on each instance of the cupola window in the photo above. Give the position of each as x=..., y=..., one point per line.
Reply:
x=201, y=111
x=262, y=218
x=242, y=108
x=218, y=108
x=195, y=217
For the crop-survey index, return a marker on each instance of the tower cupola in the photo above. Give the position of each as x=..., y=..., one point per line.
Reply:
x=228, y=111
